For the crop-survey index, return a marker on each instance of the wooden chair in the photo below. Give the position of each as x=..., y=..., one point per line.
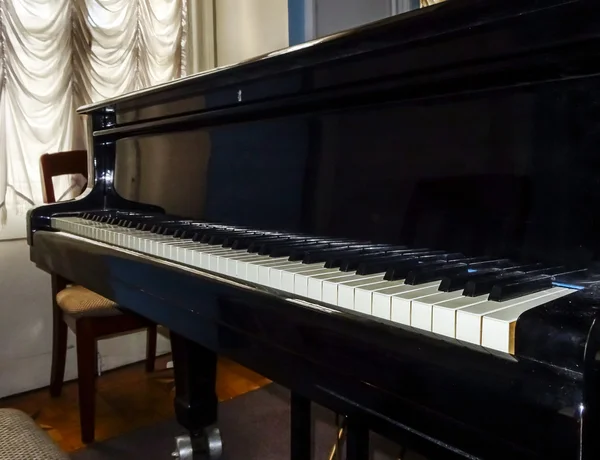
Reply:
x=89, y=315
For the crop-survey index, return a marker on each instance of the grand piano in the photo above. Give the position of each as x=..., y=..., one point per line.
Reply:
x=398, y=222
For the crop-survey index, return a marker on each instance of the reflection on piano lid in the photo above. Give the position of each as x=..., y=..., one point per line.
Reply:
x=476, y=300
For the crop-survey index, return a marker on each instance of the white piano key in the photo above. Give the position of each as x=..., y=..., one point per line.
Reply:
x=239, y=265
x=232, y=262
x=345, y=295
x=215, y=257
x=421, y=314
x=444, y=313
x=224, y=262
x=243, y=265
x=301, y=279
x=264, y=267
x=181, y=251
x=170, y=249
x=276, y=272
x=288, y=274
x=363, y=296
x=315, y=282
x=206, y=253
x=498, y=328
x=197, y=258
x=402, y=301
x=381, y=305
x=255, y=270
x=190, y=252
x=154, y=244
x=330, y=286
x=469, y=320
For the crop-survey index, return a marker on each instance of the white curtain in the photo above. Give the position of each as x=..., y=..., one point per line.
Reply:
x=56, y=55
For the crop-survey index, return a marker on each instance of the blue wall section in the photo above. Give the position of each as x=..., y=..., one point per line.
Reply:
x=296, y=22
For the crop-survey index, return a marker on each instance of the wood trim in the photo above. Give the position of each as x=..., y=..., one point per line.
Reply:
x=58, y=164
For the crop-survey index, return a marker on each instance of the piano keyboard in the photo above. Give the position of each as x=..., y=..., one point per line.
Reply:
x=471, y=300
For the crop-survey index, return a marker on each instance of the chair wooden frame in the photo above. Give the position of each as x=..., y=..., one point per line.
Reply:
x=88, y=330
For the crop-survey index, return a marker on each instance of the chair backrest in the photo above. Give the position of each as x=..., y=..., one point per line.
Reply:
x=59, y=164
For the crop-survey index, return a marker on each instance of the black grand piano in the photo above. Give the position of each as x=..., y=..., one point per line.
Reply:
x=399, y=222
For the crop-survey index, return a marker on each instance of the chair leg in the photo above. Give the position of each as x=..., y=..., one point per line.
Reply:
x=150, y=348
x=86, y=373
x=59, y=340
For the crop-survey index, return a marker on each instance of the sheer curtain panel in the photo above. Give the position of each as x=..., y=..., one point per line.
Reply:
x=56, y=55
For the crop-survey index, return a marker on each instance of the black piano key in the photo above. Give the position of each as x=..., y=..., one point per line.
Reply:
x=246, y=242
x=490, y=263
x=435, y=273
x=256, y=246
x=161, y=228
x=114, y=220
x=299, y=254
x=485, y=284
x=323, y=255
x=202, y=235
x=336, y=260
x=169, y=231
x=187, y=231
x=266, y=248
x=217, y=237
x=313, y=256
x=284, y=250
x=458, y=281
x=381, y=264
x=401, y=270
x=572, y=279
x=229, y=241
x=221, y=238
x=154, y=222
x=511, y=289
x=353, y=262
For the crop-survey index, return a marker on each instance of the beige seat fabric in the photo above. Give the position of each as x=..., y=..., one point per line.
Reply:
x=78, y=302
x=22, y=439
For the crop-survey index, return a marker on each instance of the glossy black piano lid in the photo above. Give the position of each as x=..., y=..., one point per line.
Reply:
x=507, y=173
x=422, y=44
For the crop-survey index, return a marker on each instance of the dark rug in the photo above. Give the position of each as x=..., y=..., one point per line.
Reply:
x=254, y=426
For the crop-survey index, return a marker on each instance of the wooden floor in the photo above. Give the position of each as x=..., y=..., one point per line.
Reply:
x=127, y=399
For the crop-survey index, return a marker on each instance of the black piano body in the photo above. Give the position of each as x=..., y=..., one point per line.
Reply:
x=467, y=126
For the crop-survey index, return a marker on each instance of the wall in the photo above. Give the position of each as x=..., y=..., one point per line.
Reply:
x=310, y=19
x=244, y=29
x=26, y=326
x=335, y=15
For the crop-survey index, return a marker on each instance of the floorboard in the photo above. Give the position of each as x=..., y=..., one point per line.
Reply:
x=127, y=398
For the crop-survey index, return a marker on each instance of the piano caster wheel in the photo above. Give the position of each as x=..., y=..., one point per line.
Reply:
x=205, y=447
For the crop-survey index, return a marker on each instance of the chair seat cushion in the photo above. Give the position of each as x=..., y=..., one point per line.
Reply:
x=22, y=439
x=78, y=302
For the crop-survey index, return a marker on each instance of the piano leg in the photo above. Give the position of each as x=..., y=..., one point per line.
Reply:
x=300, y=424
x=357, y=440
x=195, y=369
